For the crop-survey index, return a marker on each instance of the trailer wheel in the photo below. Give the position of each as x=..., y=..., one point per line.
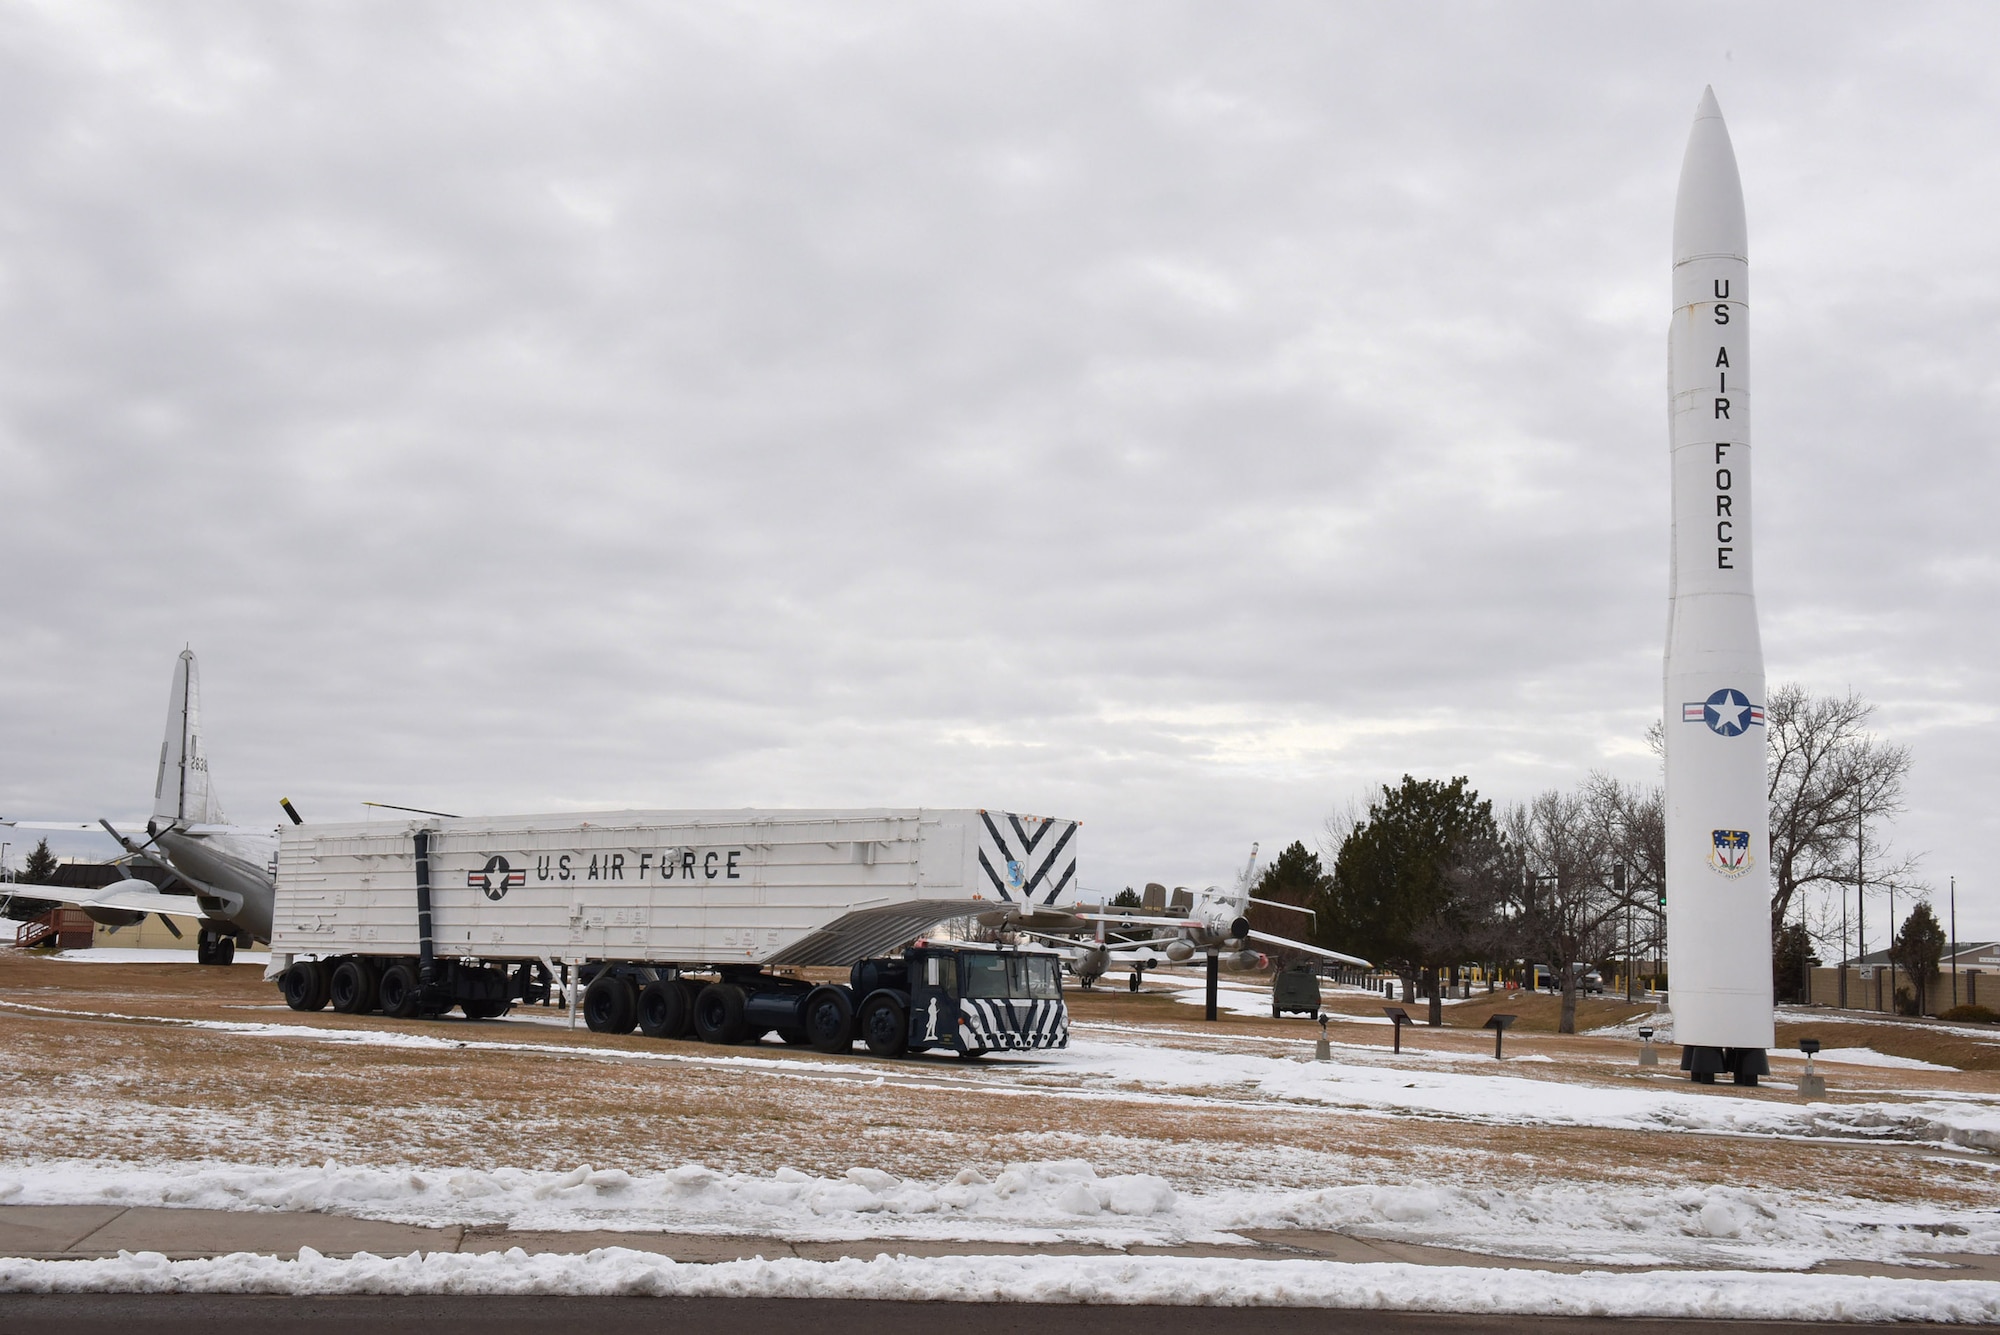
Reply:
x=664, y=1009
x=484, y=1010
x=399, y=993
x=352, y=989
x=885, y=1026
x=718, y=1014
x=609, y=1005
x=305, y=986
x=829, y=1019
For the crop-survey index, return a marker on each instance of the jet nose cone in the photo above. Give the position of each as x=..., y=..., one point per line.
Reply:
x=1708, y=210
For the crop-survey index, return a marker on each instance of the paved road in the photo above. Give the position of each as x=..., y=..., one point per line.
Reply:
x=122, y=1314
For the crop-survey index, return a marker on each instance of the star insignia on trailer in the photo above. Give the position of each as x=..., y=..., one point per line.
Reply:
x=496, y=878
x=1727, y=713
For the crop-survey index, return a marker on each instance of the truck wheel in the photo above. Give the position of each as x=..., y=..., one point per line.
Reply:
x=829, y=1019
x=1274, y=1010
x=971, y=1054
x=352, y=989
x=399, y=992
x=885, y=1026
x=609, y=1005
x=305, y=986
x=664, y=1010
x=718, y=1014
x=484, y=1010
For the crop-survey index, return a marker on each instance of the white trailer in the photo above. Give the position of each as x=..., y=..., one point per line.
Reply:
x=416, y=917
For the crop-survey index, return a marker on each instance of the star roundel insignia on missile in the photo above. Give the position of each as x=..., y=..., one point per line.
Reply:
x=496, y=878
x=1727, y=713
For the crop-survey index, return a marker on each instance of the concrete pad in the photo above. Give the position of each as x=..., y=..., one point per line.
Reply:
x=1345, y=1247
x=50, y=1230
x=1961, y=1265
x=867, y=1249
x=218, y=1232
x=693, y=1247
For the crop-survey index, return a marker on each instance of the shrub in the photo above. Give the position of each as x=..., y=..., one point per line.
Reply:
x=1976, y=1014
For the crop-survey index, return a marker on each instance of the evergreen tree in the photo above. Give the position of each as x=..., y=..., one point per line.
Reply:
x=1420, y=883
x=1791, y=956
x=1295, y=878
x=1917, y=951
x=40, y=868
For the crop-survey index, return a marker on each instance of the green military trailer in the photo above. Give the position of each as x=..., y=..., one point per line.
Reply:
x=1295, y=991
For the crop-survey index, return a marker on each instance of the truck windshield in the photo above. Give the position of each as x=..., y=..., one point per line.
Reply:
x=985, y=976
x=1040, y=981
x=1026, y=978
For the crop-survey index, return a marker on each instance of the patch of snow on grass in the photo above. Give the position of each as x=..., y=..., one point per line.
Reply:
x=1870, y=1057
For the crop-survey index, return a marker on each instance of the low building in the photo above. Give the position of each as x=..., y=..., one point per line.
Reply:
x=1968, y=972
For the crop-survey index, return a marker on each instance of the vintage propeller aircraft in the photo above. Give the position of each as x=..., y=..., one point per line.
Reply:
x=220, y=877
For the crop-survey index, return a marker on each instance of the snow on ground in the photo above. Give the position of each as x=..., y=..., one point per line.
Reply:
x=1049, y=1202
x=1661, y=1022
x=135, y=955
x=1049, y=1279
x=1372, y=1079
x=1869, y=1057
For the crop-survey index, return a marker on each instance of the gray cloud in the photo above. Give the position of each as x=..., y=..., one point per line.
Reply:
x=1171, y=417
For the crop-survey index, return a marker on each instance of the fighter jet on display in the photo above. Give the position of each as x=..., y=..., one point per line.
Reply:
x=220, y=876
x=1212, y=925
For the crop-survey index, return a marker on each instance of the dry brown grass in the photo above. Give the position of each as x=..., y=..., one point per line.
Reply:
x=144, y=1089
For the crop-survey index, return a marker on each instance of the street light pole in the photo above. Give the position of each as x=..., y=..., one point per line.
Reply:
x=1954, y=942
x=1618, y=879
x=1861, y=896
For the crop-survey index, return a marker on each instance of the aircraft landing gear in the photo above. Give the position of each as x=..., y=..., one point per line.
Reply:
x=1132, y=983
x=214, y=948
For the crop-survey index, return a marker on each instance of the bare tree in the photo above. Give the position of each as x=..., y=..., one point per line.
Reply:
x=1571, y=843
x=1830, y=780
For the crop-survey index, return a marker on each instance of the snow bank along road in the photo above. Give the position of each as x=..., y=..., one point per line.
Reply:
x=170, y=1086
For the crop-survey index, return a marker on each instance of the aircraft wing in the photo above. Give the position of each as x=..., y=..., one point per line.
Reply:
x=1141, y=954
x=1321, y=951
x=1141, y=920
x=124, y=896
x=49, y=824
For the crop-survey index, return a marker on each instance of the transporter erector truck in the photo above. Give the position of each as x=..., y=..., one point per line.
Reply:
x=679, y=922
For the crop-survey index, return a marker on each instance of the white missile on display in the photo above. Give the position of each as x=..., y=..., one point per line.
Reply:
x=1717, y=821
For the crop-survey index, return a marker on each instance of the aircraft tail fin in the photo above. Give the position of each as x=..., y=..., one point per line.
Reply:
x=183, y=793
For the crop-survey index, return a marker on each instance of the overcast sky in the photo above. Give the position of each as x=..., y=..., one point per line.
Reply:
x=1178, y=417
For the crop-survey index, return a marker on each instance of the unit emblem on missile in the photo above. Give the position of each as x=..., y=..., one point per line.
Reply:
x=1731, y=853
x=496, y=878
x=1727, y=712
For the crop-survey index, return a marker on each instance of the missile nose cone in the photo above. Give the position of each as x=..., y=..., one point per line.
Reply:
x=1708, y=210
